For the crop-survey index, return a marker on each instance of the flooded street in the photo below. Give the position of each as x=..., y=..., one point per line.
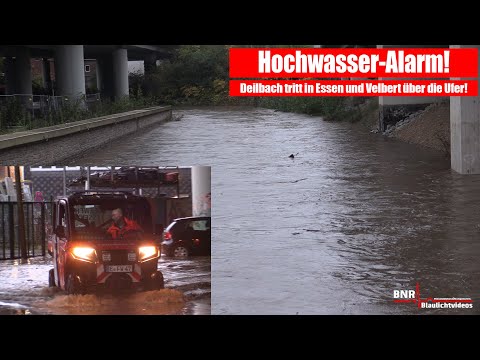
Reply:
x=353, y=217
x=24, y=290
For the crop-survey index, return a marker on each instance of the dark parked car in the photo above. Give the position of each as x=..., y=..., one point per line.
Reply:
x=188, y=236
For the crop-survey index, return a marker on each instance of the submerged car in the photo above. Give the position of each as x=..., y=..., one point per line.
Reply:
x=91, y=253
x=188, y=236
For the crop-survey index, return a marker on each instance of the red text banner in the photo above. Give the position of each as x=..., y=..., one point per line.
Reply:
x=353, y=88
x=353, y=62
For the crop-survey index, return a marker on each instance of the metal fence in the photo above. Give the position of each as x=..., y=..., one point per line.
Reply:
x=43, y=104
x=37, y=223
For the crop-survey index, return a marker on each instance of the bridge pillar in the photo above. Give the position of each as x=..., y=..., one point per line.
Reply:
x=120, y=73
x=465, y=130
x=393, y=109
x=201, y=190
x=105, y=77
x=47, y=79
x=70, y=71
x=150, y=64
x=98, y=69
x=23, y=71
x=9, y=68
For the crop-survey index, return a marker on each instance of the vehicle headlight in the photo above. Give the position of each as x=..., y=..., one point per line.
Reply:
x=84, y=254
x=147, y=252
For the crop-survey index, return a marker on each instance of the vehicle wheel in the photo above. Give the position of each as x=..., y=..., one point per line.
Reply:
x=180, y=251
x=51, y=278
x=73, y=285
x=156, y=282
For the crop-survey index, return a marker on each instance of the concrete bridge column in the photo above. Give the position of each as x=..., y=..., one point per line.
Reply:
x=23, y=72
x=201, y=190
x=99, y=75
x=47, y=80
x=70, y=71
x=150, y=64
x=105, y=77
x=9, y=68
x=393, y=109
x=120, y=73
x=465, y=130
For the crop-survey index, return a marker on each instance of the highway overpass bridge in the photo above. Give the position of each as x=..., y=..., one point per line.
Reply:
x=112, y=79
x=111, y=61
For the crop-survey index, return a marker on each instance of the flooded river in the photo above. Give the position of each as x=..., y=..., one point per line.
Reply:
x=335, y=230
x=24, y=290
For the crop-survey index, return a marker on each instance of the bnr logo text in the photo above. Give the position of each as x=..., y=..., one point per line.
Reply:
x=404, y=294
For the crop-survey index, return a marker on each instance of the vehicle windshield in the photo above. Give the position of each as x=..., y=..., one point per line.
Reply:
x=96, y=222
x=90, y=216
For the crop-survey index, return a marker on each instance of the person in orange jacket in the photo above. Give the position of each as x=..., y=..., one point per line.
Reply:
x=121, y=224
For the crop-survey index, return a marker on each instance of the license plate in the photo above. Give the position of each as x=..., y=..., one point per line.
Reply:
x=118, y=268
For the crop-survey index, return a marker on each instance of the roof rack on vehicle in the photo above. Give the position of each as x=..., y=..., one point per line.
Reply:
x=96, y=192
x=130, y=177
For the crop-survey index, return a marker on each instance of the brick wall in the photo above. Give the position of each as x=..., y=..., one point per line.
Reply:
x=37, y=70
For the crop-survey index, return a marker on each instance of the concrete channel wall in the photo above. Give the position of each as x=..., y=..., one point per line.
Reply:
x=54, y=144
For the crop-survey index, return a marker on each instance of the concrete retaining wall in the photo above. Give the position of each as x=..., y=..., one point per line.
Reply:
x=390, y=115
x=54, y=144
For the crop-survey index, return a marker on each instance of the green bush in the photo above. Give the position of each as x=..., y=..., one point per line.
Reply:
x=13, y=113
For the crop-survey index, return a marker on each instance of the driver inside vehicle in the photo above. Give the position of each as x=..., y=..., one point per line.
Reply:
x=122, y=225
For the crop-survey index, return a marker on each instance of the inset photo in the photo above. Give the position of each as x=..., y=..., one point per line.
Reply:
x=109, y=240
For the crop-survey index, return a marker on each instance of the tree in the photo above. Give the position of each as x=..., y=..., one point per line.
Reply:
x=194, y=73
